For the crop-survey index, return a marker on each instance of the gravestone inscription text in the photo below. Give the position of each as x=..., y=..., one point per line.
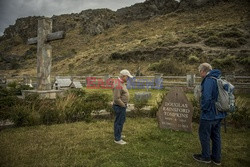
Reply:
x=176, y=111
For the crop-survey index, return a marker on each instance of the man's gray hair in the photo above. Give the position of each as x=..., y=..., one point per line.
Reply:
x=205, y=67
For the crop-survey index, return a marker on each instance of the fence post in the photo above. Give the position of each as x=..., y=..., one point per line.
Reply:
x=3, y=80
x=158, y=81
x=230, y=78
x=87, y=80
x=190, y=80
x=27, y=80
x=106, y=77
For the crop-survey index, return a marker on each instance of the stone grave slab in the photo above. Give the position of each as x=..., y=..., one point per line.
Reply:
x=176, y=111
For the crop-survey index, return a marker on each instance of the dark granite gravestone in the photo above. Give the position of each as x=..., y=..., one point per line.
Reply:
x=176, y=111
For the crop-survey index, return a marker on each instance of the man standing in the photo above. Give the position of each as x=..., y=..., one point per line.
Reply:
x=121, y=98
x=210, y=119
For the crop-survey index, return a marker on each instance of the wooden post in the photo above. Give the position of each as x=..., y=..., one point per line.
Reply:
x=158, y=81
x=190, y=80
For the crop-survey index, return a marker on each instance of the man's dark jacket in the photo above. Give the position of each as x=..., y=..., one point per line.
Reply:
x=209, y=95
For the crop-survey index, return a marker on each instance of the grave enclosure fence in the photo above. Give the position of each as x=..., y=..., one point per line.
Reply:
x=146, y=82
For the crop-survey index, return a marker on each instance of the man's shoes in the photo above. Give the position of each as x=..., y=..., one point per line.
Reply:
x=216, y=162
x=121, y=142
x=199, y=158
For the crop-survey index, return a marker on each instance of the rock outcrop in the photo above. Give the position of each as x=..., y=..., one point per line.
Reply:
x=24, y=28
x=149, y=8
x=96, y=21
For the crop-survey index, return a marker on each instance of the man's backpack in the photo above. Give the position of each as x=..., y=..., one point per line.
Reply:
x=226, y=99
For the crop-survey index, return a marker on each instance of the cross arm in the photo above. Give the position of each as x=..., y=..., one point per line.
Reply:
x=51, y=37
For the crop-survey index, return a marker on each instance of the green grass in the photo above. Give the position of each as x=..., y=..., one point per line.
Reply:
x=154, y=93
x=91, y=144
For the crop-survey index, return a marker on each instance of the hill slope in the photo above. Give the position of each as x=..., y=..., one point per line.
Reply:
x=167, y=37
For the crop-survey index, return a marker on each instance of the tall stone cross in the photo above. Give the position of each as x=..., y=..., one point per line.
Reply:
x=44, y=52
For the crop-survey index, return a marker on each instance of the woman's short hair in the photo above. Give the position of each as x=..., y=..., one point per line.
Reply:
x=205, y=67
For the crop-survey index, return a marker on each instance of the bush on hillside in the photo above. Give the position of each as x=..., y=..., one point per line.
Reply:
x=230, y=43
x=242, y=41
x=213, y=41
x=191, y=38
x=168, y=67
x=193, y=59
x=231, y=34
x=206, y=33
x=229, y=62
x=168, y=43
x=31, y=53
x=244, y=61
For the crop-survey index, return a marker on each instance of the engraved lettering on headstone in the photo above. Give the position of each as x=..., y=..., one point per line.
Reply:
x=176, y=111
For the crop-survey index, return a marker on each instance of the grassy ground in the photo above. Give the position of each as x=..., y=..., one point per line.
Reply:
x=154, y=93
x=91, y=144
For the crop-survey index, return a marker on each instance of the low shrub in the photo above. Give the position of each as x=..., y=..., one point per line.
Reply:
x=191, y=39
x=230, y=43
x=193, y=59
x=245, y=61
x=110, y=110
x=139, y=104
x=14, y=88
x=6, y=104
x=231, y=34
x=241, y=117
x=87, y=109
x=168, y=66
x=31, y=53
x=76, y=105
x=23, y=115
x=226, y=63
x=213, y=41
x=196, y=107
x=168, y=43
x=50, y=116
x=5, y=92
x=206, y=33
x=242, y=41
x=157, y=105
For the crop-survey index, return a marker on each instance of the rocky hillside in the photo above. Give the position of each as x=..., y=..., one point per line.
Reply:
x=159, y=36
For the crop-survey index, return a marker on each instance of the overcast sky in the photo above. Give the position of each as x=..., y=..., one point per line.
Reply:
x=10, y=10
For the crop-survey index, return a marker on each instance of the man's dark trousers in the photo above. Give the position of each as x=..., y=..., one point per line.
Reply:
x=120, y=117
x=210, y=130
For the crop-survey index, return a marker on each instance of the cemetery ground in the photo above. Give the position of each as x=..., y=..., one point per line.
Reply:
x=92, y=144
